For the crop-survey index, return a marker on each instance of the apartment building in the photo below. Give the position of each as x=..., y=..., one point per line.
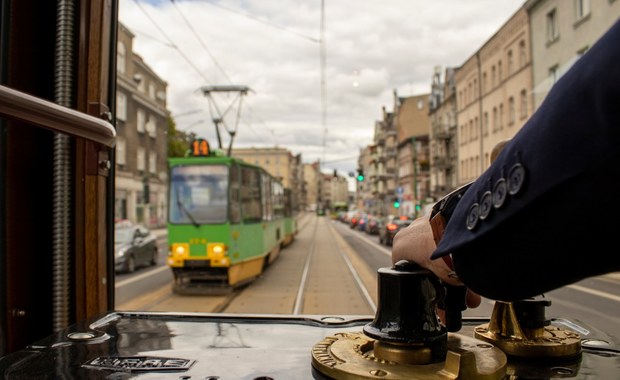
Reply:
x=413, y=187
x=443, y=143
x=493, y=90
x=141, y=148
x=367, y=190
x=562, y=31
x=280, y=163
x=312, y=182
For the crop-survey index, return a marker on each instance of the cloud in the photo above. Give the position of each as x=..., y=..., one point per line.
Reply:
x=372, y=48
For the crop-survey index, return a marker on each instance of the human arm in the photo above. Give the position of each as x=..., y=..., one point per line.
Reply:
x=537, y=218
x=416, y=243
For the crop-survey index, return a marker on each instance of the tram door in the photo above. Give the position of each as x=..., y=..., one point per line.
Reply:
x=55, y=188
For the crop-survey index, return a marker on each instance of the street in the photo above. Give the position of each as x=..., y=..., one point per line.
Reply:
x=330, y=269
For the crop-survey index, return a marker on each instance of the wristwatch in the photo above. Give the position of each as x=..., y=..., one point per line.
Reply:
x=443, y=209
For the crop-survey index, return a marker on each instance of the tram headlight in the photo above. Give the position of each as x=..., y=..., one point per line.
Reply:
x=217, y=250
x=217, y=253
x=179, y=249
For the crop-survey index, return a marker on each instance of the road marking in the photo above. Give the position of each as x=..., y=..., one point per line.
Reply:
x=370, y=242
x=598, y=293
x=140, y=277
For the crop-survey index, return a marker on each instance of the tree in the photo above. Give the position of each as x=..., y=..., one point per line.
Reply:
x=179, y=142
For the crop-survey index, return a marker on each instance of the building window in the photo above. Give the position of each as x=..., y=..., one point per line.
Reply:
x=501, y=116
x=523, y=104
x=486, y=123
x=121, y=152
x=484, y=82
x=493, y=77
x=582, y=9
x=141, y=121
x=152, y=162
x=151, y=126
x=553, y=74
x=476, y=126
x=510, y=63
x=499, y=72
x=121, y=56
x=511, y=111
x=522, y=54
x=141, y=156
x=141, y=84
x=121, y=106
x=151, y=90
x=552, y=26
x=495, y=124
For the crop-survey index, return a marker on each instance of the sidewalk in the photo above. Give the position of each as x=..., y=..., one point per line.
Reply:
x=160, y=232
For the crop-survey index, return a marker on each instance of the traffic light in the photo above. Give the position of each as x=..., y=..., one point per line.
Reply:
x=396, y=204
x=360, y=175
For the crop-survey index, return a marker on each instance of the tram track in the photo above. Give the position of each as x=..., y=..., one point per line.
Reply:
x=323, y=270
x=304, y=277
x=318, y=273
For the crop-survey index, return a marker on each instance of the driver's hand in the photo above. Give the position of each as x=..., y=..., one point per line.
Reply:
x=416, y=243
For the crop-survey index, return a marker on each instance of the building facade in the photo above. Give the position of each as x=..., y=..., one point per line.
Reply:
x=312, y=182
x=280, y=163
x=141, y=148
x=413, y=185
x=562, y=31
x=493, y=90
x=443, y=143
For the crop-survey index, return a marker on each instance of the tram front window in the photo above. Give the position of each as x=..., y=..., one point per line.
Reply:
x=198, y=194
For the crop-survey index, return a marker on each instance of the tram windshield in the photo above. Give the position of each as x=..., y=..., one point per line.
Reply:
x=198, y=194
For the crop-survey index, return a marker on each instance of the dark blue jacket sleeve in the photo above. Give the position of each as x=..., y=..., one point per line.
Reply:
x=544, y=212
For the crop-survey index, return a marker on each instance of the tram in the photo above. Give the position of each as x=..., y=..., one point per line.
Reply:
x=57, y=313
x=227, y=220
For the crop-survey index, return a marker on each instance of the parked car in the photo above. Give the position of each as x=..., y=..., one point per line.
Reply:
x=134, y=246
x=362, y=222
x=372, y=225
x=355, y=218
x=390, y=227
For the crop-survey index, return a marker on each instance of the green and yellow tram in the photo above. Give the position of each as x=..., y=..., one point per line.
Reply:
x=227, y=220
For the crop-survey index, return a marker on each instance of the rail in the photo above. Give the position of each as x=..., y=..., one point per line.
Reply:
x=18, y=105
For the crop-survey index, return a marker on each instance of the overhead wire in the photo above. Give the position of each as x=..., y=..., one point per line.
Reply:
x=322, y=57
x=172, y=43
x=273, y=25
x=204, y=46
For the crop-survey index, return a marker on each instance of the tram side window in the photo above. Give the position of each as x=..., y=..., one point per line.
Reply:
x=267, y=198
x=235, y=205
x=288, y=205
x=250, y=195
x=278, y=200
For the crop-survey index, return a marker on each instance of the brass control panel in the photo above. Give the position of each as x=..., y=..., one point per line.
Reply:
x=407, y=341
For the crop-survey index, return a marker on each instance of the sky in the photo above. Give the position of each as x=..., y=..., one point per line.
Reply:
x=319, y=72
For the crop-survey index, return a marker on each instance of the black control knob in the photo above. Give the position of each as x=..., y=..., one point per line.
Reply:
x=408, y=296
